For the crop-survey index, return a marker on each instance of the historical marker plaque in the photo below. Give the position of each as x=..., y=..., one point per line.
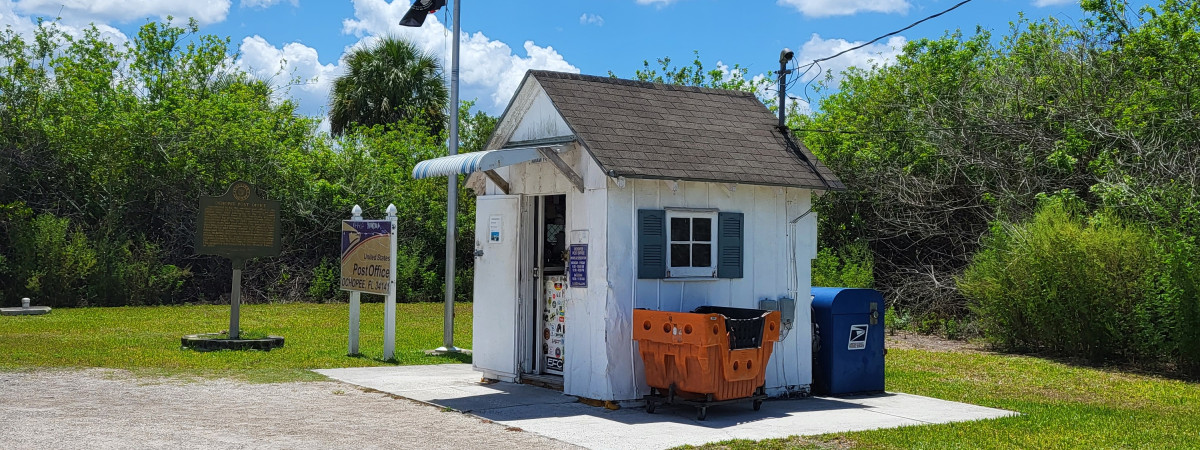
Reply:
x=238, y=225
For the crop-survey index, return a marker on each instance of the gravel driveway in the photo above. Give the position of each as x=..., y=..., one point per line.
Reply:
x=102, y=408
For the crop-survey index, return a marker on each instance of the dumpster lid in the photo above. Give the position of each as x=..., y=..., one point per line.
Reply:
x=838, y=300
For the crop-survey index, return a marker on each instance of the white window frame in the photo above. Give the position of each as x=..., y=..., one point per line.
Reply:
x=693, y=272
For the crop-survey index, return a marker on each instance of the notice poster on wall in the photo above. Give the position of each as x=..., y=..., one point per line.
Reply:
x=495, y=223
x=554, y=323
x=577, y=265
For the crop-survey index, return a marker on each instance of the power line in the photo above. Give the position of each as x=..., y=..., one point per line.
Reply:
x=817, y=62
x=872, y=41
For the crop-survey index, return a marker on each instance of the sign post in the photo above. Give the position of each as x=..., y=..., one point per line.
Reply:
x=355, y=297
x=369, y=265
x=238, y=225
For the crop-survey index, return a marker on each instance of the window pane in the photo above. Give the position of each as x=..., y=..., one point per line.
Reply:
x=701, y=255
x=701, y=229
x=681, y=255
x=681, y=229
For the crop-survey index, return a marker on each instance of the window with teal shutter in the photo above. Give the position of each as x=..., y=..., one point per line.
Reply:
x=686, y=244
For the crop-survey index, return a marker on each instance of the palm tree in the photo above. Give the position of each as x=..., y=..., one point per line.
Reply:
x=388, y=82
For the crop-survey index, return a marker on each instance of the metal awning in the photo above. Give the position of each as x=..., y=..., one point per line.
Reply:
x=481, y=161
x=467, y=163
x=488, y=160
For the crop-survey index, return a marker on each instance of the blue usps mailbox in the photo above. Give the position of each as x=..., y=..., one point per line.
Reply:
x=849, y=359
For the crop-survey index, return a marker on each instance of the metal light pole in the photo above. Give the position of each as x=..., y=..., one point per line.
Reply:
x=451, y=196
x=416, y=18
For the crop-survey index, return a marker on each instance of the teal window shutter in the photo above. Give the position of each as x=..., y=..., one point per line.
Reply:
x=652, y=243
x=730, y=244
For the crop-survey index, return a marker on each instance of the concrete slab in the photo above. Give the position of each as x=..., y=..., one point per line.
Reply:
x=561, y=417
x=27, y=311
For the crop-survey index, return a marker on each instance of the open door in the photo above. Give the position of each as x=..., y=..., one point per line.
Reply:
x=496, y=295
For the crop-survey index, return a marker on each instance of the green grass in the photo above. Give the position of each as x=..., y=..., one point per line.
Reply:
x=1061, y=406
x=146, y=340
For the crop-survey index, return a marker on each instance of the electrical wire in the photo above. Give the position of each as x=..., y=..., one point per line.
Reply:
x=817, y=62
x=872, y=41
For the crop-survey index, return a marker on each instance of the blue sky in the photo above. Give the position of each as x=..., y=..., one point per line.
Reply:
x=281, y=40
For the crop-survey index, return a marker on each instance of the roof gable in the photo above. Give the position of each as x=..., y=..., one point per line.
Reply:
x=541, y=121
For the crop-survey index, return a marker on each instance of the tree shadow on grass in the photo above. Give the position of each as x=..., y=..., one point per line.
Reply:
x=1163, y=370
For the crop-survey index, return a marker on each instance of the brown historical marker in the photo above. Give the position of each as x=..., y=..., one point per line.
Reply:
x=238, y=225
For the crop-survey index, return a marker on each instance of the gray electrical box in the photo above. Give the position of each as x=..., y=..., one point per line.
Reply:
x=787, y=311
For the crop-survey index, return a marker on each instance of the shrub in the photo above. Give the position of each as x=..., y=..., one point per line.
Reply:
x=133, y=274
x=418, y=276
x=324, y=284
x=1172, y=321
x=51, y=261
x=1089, y=286
x=849, y=266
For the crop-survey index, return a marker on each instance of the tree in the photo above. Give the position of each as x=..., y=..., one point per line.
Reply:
x=960, y=133
x=388, y=82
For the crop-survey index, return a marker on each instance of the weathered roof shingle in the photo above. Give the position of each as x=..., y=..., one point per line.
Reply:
x=650, y=130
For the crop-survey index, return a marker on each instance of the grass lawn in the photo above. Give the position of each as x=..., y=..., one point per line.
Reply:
x=146, y=339
x=1061, y=406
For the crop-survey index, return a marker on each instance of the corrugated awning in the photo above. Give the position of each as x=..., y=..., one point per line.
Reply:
x=467, y=163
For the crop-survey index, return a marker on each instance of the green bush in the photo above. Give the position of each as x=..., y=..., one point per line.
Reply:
x=133, y=274
x=55, y=263
x=1089, y=286
x=1172, y=321
x=52, y=261
x=324, y=284
x=849, y=266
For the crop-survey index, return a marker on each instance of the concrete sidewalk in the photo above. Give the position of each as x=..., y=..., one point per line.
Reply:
x=562, y=417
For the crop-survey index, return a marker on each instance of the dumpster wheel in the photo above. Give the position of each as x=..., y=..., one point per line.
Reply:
x=657, y=397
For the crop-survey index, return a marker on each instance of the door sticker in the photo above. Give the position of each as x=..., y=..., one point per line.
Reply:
x=554, y=326
x=858, y=337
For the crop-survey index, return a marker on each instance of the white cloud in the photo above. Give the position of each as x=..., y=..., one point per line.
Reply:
x=205, y=12
x=880, y=53
x=826, y=8
x=591, y=19
x=263, y=4
x=1044, y=3
x=293, y=70
x=19, y=24
x=489, y=69
x=26, y=26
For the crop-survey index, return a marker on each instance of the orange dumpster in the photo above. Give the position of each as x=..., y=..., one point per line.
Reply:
x=715, y=353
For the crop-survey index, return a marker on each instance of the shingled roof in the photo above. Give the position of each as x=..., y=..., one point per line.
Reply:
x=649, y=130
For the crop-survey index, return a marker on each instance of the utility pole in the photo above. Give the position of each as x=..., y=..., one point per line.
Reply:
x=785, y=57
